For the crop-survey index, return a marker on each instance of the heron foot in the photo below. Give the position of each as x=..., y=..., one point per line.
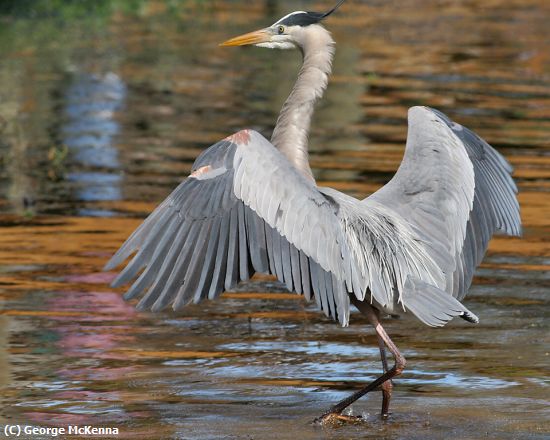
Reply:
x=337, y=419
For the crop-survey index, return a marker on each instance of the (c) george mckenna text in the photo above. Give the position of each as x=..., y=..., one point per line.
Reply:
x=52, y=431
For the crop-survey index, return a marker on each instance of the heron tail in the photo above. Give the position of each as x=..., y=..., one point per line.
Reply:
x=433, y=306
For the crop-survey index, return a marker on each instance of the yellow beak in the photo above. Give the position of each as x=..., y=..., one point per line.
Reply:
x=255, y=37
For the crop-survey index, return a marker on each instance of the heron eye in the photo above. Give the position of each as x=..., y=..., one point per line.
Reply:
x=281, y=30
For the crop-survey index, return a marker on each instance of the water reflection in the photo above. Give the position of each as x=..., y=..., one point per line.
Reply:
x=4, y=364
x=73, y=391
x=90, y=131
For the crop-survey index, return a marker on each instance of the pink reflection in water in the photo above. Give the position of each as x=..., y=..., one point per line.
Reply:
x=99, y=306
x=92, y=278
x=57, y=419
x=89, y=337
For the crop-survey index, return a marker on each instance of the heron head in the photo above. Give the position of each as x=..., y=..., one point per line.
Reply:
x=287, y=33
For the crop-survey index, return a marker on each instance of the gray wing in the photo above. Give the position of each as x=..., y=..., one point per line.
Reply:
x=495, y=207
x=243, y=209
x=456, y=191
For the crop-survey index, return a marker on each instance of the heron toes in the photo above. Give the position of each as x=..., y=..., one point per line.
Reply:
x=337, y=419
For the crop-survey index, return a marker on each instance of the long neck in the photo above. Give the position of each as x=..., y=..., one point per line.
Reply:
x=290, y=135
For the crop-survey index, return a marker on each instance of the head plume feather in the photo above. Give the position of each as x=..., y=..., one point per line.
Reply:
x=302, y=18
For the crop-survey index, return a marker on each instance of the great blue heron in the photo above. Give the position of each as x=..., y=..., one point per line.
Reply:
x=251, y=205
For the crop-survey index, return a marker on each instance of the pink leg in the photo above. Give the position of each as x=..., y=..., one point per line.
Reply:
x=387, y=386
x=396, y=370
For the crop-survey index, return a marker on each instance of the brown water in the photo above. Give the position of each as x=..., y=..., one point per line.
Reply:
x=103, y=112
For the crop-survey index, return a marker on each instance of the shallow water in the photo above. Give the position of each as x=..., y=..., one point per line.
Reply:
x=103, y=111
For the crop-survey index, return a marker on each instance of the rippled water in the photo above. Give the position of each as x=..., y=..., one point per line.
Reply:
x=102, y=112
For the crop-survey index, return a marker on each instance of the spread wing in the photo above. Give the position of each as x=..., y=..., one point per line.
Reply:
x=495, y=206
x=457, y=191
x=243, y=209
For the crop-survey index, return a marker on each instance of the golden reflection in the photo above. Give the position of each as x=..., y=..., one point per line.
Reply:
x=139, y=354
